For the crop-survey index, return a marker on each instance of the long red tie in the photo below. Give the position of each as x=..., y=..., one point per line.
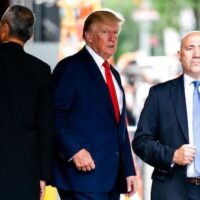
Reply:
x=112, y=91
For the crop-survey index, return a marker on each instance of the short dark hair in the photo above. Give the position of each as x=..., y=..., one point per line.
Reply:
x=102, y=15
x=21, y=22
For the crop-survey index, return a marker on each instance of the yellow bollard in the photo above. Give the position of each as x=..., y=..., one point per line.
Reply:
x=50, y=193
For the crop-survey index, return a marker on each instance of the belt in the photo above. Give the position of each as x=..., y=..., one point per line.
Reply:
x=195, y=181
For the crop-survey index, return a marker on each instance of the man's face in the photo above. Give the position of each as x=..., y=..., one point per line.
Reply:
x=189, y=54
x=103, y=38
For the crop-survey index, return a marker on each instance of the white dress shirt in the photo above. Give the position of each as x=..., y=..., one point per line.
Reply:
x=99, y=61
x=189, y=89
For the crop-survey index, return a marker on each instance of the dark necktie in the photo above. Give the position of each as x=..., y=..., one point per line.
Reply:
x=112, y=91
x=196, y=125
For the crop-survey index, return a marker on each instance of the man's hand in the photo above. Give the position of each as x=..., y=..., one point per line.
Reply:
x=42, y=189
x=184, y=155
x=131, y=185
x=83, y=161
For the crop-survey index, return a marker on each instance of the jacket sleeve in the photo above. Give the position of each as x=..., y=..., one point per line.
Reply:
x=128, y=157
x=64, y=97
x=146, y=143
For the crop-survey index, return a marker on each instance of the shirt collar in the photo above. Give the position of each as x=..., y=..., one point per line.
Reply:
x=188, y=80
x=98, y=59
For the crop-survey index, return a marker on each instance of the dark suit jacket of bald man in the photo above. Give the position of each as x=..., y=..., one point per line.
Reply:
x=163, y=128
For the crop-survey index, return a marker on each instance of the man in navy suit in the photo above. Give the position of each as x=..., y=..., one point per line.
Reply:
x=166, y=132
x=93, y=153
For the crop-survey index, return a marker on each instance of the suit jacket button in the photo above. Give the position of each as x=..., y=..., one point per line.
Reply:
x=117, y=153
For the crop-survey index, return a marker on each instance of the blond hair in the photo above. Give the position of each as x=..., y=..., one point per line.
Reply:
x=102, y=15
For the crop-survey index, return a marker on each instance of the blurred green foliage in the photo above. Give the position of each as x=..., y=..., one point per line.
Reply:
x=169, y=12
x=170, y=15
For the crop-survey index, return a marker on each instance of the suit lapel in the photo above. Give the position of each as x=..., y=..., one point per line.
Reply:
x=116, y=77
x=96, y=75
x=178, y=98
x=122, y=90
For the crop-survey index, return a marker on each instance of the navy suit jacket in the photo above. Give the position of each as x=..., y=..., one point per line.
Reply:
x=85, y=119
x=162, y=128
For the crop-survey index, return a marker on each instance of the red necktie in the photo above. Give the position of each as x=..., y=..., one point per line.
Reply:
x=112, y=91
